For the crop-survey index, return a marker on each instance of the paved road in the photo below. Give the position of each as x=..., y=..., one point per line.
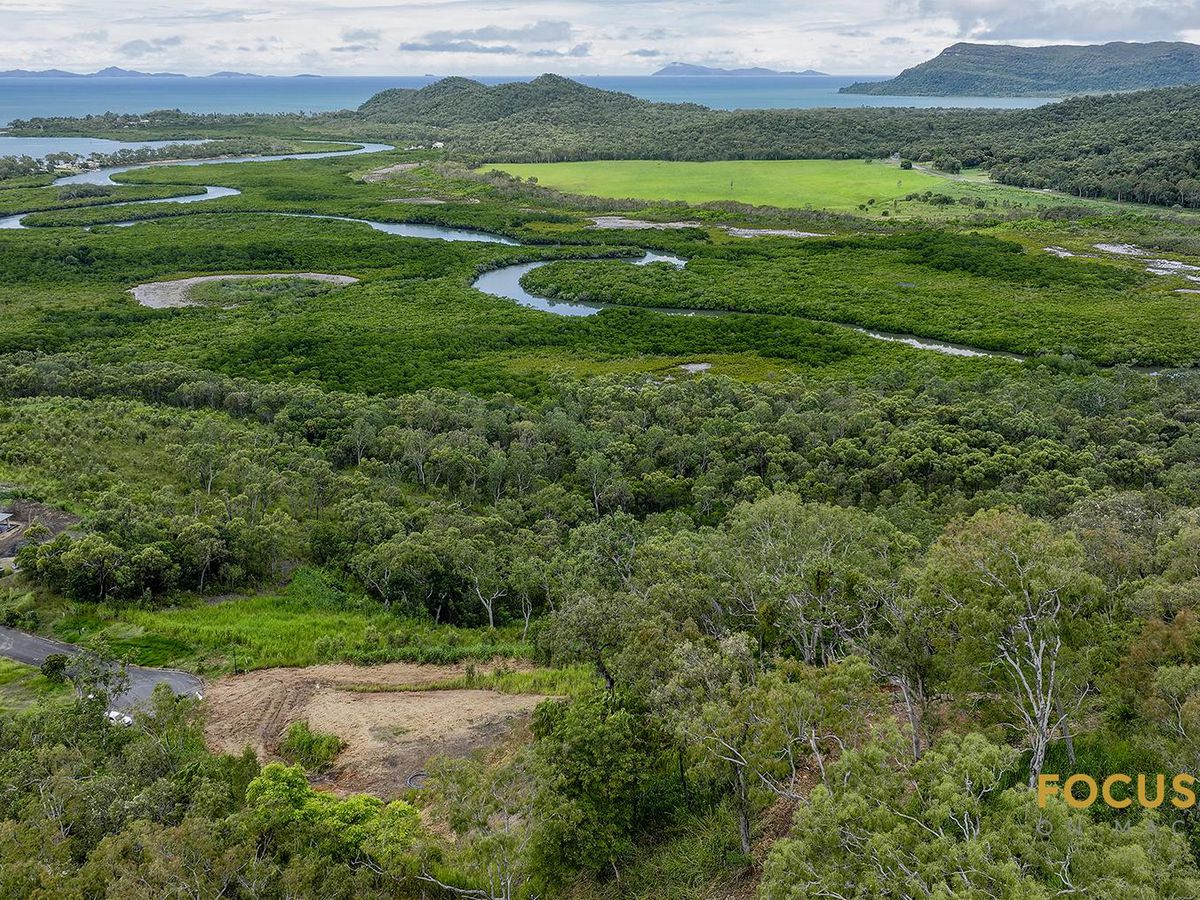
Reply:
x=33, y=650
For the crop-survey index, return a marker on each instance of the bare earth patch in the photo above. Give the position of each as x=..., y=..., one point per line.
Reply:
x=386, y=172
x=435, y=201
x=772, y=232
x=174, y=294
x=389, y=734
x=1153, y=266
x=621, y=223
x=624, y=224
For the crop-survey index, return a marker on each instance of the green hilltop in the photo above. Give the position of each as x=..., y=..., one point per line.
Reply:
x=986, y=70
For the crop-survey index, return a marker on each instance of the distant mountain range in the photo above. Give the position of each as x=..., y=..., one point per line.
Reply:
x=674, y=70
x=114, y=72
x=986, y=70
x=687, y=70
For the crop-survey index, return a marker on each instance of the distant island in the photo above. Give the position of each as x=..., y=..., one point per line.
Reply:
x=110, y=72
x=986, y=70
x=687, y=70
x=117, y=72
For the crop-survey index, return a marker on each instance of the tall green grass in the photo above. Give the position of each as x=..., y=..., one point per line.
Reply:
x=21, y=685
x=310, y=622
x=314, y=750
x=700, y=858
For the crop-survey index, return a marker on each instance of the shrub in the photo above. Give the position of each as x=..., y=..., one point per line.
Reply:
x=946, y=163
x=79, y=191
x=314, y=750
x=54, y=667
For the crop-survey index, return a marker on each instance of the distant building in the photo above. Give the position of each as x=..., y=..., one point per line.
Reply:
x=6, y=522
x=438, y=145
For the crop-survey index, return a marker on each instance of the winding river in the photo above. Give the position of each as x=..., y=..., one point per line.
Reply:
x=503, y=282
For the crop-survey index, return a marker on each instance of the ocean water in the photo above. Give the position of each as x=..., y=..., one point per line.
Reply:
x=23, y=98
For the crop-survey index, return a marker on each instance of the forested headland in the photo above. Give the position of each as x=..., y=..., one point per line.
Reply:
x=990, y=70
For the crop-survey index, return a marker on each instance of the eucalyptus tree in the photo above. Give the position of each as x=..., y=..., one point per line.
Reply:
x=1013, y=595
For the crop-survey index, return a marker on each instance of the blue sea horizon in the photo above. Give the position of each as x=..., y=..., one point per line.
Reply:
x=24, y=98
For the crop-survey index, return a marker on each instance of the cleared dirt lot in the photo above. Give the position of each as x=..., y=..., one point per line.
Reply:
x=390, y=734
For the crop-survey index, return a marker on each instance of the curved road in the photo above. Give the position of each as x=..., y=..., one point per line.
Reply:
x=33, y=650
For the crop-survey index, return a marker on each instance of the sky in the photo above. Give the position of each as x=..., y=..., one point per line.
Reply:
x=571, y=37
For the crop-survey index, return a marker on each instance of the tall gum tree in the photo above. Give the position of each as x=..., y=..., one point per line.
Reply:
x=1012, y=593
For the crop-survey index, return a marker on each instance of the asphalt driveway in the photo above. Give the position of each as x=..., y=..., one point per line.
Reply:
x=33, y=650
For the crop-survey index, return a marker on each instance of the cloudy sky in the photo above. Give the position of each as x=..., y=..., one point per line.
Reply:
x=362, y=37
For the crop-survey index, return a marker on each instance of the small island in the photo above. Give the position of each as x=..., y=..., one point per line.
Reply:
x=687, y=70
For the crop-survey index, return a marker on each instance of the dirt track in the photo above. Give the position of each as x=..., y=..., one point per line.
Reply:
x=389, y=734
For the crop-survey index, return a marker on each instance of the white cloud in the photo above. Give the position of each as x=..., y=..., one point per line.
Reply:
x=459, y=47
x=569, y=36
x=538, y=32
x=154, y=47
x=1069, y=21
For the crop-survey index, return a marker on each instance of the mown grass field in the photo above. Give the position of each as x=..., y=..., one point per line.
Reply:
x=816, y=183
x=837, y=185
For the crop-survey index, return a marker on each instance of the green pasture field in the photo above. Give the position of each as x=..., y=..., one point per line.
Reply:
x=836, y=185
x=817, y=183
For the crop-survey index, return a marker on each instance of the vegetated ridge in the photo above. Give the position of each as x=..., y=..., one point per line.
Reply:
x=987, y=70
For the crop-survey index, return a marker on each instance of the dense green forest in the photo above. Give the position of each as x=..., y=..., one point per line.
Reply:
x=741, y=567
x=990, y=70
x=795, y=612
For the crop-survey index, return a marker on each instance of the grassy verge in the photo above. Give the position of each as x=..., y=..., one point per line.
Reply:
x=21, y=685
